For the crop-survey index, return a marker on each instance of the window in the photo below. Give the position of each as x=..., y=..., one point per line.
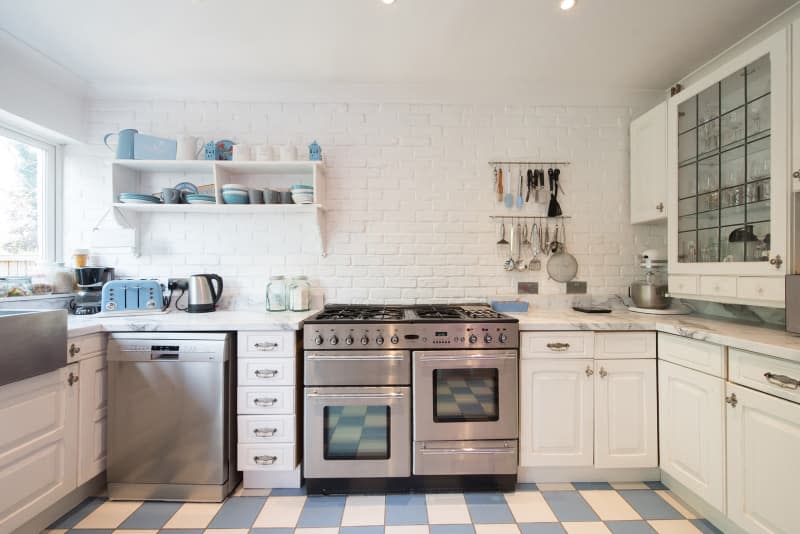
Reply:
x=28, y=207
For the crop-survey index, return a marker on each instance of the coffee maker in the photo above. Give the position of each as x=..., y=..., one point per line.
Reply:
x=90, y=282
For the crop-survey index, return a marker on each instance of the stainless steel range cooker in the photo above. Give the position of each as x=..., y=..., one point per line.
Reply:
x=416, y=397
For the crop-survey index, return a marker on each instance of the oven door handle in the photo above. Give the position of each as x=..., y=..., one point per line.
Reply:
x=470, y=450
x=456, y=357
x=356, y=357
x=356, y=395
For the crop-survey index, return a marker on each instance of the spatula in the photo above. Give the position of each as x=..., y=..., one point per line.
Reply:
x=508, y=200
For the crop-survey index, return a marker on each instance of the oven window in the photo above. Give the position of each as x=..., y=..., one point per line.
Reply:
x=356, y=432
x=465, y=395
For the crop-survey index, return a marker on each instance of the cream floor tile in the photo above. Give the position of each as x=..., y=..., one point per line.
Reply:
x=280, y=512
x=447, y=509
x=497, y=529
x=55, y=531
x=629, y=486
x=226, y=531
x=406, y=529
x=109, y=515
x=610, y=505
x=194, y=515
x=364, y=510
x=589, y=527
x=674, y=526
x=563, y=486
x=332, y=530
x=678, y=504
x=530, y=507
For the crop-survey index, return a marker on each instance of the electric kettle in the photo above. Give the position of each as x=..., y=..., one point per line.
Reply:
x=203, y=295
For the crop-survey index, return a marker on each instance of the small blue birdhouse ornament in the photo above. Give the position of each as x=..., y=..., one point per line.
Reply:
x=314, y=151
x=210, y=150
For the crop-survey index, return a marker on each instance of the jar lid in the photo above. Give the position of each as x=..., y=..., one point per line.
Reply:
x=276, y=277
x=80, y=251
x=300, y=277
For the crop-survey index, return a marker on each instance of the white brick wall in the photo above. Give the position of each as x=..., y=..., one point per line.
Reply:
x=409, y=197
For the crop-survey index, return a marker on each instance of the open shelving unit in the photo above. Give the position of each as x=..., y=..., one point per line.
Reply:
x=150, y=176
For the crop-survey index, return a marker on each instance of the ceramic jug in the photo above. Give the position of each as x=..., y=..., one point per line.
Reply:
x=124, y=143
x=188, y=147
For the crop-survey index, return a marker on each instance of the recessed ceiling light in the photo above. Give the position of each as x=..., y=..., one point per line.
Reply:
x=566, y=4
x=388, y=2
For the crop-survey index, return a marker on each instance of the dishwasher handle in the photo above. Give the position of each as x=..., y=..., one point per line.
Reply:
x=159, y=355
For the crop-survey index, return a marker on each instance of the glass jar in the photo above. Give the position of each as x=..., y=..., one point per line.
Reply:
x=63, y=279
x=42, y=281
x=276, y=294
x=18, y=286
x=299, y=290
x=80, y=257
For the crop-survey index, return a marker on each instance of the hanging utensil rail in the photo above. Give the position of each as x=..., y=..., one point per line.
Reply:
x=549, y=163
x=536, y=217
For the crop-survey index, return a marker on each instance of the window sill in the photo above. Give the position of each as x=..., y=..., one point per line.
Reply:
x=36, y=297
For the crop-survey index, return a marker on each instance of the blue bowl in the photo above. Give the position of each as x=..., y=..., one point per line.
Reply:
x=235, y=199
x=302, y=186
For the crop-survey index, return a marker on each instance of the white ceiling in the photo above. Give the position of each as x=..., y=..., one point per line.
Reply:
x=630, y=44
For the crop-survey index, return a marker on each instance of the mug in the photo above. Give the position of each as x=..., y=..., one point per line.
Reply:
x=288, y=153
x=286, y=197
x=256, y=196
x=170, y=195
x=263, y=152
x=272, y=197
x=241, y=152
x=187, y=147
x=124, y=143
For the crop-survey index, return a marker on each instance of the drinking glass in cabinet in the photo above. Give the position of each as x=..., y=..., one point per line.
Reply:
x=708, y=104
x=687, y=180
x=708, y=137
x=687, y=206
x=687, y=249
x=758, y=78
x=758, y=158
x=708, y=245
x=758, y=119
x=732, y=167
x=733, y=196
x=708, y=219
x=707, y=202
x=708, y=175
x=731, y=216
x=687, y=223
x=732, y=91
x=733, y=127
x=758, y=246
x=687, y=115
x=687, y=146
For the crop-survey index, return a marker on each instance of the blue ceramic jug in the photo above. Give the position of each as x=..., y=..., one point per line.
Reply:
x=124, y=143
x=210, y=150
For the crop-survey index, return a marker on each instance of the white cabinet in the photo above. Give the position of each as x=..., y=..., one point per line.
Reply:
x=649, y=166
x=763, y=439
x=556, y=398
x=92, y=417
x=626, y=427
x=692, y=430
x=38, y=444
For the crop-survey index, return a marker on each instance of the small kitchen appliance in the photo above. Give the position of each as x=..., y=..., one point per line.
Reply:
x=651, y=293
x=132, y=295
x=793, y=303
x=90, y=281
x=205, y=291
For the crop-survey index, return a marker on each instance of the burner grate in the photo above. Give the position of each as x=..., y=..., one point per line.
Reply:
x=361, y=313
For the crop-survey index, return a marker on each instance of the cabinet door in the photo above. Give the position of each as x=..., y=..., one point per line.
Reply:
x=649, y=166
x=556, y=413
x=692, y=430
x=763, y=440
x=626, y=414
x=92, y=418
x=38, y=444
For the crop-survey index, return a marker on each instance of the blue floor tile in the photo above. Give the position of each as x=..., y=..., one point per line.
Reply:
x=238, y=512
x=378, y=529
x=151, y=515
x=488, y=508
x=569, y=506
x=452, y=529
x=406, y=510
x=656, y=485
x=592, y=486
x=77, y=514
x=322, y=511
x=527, y=487
x=541, y=528
x=705, y=526
x=630, y=527
x=287, y=492
x=649, y=505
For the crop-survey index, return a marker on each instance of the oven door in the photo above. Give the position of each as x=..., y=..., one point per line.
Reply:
x=357, y=432
x=464, y=395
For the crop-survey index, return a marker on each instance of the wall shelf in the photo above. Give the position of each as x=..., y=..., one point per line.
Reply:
x=219, y=208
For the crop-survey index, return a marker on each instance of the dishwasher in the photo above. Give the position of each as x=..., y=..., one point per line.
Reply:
x=171, y=433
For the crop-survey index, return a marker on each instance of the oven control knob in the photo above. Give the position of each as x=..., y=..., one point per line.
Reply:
x=395, y=340
x=334, y=340
x=318, y=340
x=487, y=338
x=502, y=338
x=379, y=340
x=348, y=340
x=473, y=338
x=364, y=340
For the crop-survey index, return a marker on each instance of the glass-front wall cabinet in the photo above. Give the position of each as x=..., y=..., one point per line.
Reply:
x=726, y=176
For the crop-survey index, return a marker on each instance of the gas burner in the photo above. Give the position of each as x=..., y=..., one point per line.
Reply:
x=437, y=312
x=361, y=313
x=480, y=312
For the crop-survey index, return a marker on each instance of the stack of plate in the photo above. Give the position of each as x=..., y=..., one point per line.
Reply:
x=138, y=198
x=200, y=199
x=302, y=194
x=235, y=194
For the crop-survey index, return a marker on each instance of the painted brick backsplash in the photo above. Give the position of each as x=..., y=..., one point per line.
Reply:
x=409, y=195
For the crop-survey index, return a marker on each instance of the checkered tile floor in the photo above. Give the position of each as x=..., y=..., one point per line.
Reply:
x=580, y=508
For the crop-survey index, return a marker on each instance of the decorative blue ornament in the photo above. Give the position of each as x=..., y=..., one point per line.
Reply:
x=314, y=151
x=210, y=150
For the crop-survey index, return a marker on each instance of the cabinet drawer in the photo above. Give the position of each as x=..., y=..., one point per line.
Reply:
x=699, y=355
x=269, y=344
x=266, y=371
x=761, y=288
x=628, y=345
x=557, y=345
x=265, y=400
x=686, y=285
x=765, y=373
x=718, y=286
x=81, y=347
x=266, y=429
x=274, y=457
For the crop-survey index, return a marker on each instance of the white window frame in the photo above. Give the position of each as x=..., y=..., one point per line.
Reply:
x=50, y=232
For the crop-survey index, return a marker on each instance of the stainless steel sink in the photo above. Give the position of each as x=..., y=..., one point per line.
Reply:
x=33, y=343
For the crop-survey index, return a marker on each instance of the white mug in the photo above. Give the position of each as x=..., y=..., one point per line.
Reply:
x=241, y=152
x=262, y=152
x=288, y=153
x=188, y=147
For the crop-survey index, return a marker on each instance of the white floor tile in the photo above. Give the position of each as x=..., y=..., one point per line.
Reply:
x=280, y=512
x=447, y=509
x=129, y=531
x=109, y=515
x=55, y=531
x=561, y=486
x=194, y=515
x=678, y=504
x=364, y=510
x=497, y=529
x=610, y=505
x=589, y=527
x=673, y=526
x=530, y=507
x=406, y=529
x=630, y=486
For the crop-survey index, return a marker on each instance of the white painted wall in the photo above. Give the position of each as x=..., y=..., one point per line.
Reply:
x=410, y=194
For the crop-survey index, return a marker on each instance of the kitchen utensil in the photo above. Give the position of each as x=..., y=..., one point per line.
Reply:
x=554, y=245
x=508, y=199
x=535, y=263
x=286, y=197
x=500, y=184
x=256, y=196
x=502, y=244
x=188, y=148
x=205, y=291
x=531, y=186
x=562, y=266
x=199, y=199
x=519, y=263
x=554, y=209
x=241, y=152
x=510, y=264
x=124, y=148
x=170, y=195
x=520, y=200
x=546, y=243
x=132, y=295
x=591, y=309
x=647, y=294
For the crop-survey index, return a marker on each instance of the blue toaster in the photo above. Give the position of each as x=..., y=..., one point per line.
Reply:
x=132, y=295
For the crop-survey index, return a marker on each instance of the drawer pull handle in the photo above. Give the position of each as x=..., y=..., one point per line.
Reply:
x=603, y=372
x=265, y=459
x=265, y=402
x=777, y=261
x=732, y=400
x=589, y=370
x=266, y=373
x=558, y=347
x=72, y=379
x=782, y=380
x=266, y=345
x=73, y=350
x=265, y=432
